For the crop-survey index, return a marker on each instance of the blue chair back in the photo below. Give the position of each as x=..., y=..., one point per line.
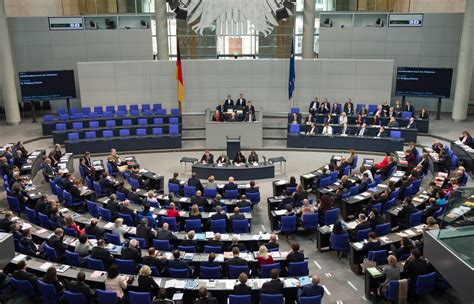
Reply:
x=406, y=114
x=288, y=224
x=139, y=297
x=210, y=192
x=454, y=161
x=354, y=190
x=77, y=125
x=74, y=297
x=235, y=271
x=93, y=209
x=240, y=226
x=25, y=287
x=210, y=249
x=134, y=183
x=310, y=300
x=106, y=297
x=190, y=249
x=218, y=226
x=60, y=127
x=105, y=214
x=425, y=283
x=254, y=197
x=363, y=234
x=113, y=238
x=173, y=226
x=231, y=194
x=378, y=256
x=95, y=264
x=339, y=242
x=126, y=122
x=107, y=133
x=174, y=188
x=331, y=216
x=175, y=111
x=395, y=134
x=378, y=207
x=48, y=118
x=44, y=221
x=194, y=224
x=91, y=135
x=179, y=273
x=110, y=123
x=415, y=218
x=50, y=253
x=310, y=221
x=31, y=215
x=189, y=191
x=69, y=231
x=383, y=229
x=416, y=186
x=240, y=299
x=174, y=129
x=163, y=245
x=127, y=219
x=73, y=259
x=325, y=181
x=295, y=128
x=157, y=131
x=271, y=298
x=371, y=108
x=73, y=136
x=298, y=269
x=265, y=270
x=48, y=292
x=141, y=132
x=210, y=272
x=408, y=191
x=126, y=266
x=124, y=132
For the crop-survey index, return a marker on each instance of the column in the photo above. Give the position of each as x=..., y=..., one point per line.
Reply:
x=10, y=99
x=464, y=72
x=161, y=21
x=308, y=29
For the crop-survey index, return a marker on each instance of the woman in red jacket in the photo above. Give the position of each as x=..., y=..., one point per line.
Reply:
x=172, y=212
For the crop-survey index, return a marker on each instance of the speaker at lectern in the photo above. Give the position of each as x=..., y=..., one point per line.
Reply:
x=233, y=146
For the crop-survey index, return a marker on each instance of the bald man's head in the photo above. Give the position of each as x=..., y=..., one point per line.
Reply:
x=315, y=280
x=165, y=226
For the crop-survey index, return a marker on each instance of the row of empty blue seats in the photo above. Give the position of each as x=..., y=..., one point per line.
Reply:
x=173, y=130
x=112, y=123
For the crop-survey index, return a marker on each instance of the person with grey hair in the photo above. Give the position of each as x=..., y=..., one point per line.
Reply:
x=113, y=206
x=132, y=252
x=144, y=231
x=219, y=215
x=312, y=289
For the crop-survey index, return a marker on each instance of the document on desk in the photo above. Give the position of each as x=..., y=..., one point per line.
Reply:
x=209, y=234
x=170, y=284
x=157, y=281
x=291, y=282
x=96, y=274
x=229, y=284
x=45, y=266
x=358, y=245
x=211, y=284
x=19, y=258
x=358, y=197
x=280, y=212
x=109, y=225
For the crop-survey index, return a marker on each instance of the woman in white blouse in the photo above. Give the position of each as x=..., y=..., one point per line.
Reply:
x=119, y=229
x=343, y=118
x=115, y=282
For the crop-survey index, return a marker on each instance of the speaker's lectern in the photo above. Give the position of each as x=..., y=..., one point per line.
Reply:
x=233, y=146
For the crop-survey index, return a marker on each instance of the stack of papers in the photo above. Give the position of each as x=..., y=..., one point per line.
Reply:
x=358, y=245
x=291, y=282
x=304, y=281
x=209, y=234
x=191, y=284
x=19, y=258
x=45, y=266
x=374, y=271
x=280, y=212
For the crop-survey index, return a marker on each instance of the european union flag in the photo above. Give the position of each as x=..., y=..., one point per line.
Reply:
x=291, y=78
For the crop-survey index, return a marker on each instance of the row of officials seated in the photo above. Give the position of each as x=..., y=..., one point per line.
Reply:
x=343, y=130
x=239, y=159
x=241, y=110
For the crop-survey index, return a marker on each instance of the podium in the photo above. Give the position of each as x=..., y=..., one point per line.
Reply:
x=233, y=146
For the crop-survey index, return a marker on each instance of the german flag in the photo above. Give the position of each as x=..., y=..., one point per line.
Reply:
x=179, y=78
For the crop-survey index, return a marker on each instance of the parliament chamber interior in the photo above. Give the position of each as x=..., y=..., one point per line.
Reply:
x=224, y=152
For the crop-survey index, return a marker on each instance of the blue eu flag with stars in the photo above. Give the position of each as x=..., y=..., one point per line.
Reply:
x=291, y=78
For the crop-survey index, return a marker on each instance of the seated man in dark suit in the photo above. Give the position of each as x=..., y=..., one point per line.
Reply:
x=193, y=181
x=211, y=261
x=175, y=180
x=164, y=233
x=216, y=242
x=230, y=185
x=100, y=253
x=311, y=290
x=132, y=252
x=375, y=218
x=363, y=223
x=207, y=158
x=199, y=200
x=93, y=229
x=364, y=183
x=113, y=206
x=219, y=215
x=404, y=214
x=295, y=255
x=275, y=285
x=18, y=161
x=56, y=241
x=125, y=209
x=48, y=171
x=81, y=287
x=106, y=183
x=21, y=274
x=204, y=298
x=236, y=260
x=244, y=202
x=242, y=288
x=237, y=215
x=154, y=259
x=177, y=262
x=272, y=242
x=144, y=231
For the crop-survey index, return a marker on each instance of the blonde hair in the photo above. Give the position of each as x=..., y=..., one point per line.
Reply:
x=69, y=221
x=194, y=210
x=392, y=260
x=145, y=271
x=306, y=202
x=150, y=194
x=263, y=252
x=191, y=234
x=118, y=222
x=430, y=220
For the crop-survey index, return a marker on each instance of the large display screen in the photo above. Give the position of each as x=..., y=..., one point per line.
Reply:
x=424, y=82
x=47, y=85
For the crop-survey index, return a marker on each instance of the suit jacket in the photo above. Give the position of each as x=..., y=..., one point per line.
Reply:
x=152, y=261
x=312, y=290
x=230, y=186
x=221, y=108
x=48, y=171
x=164, y=235
x=208, y=300
x=363, y=186
x=144, y=232
x=102, y=254
x=273, y=287
x=209, y=159
x=241, y=102
x=239, y=216
x=131, y=254
x=215, y=243
x=114, y=208
x=195, y=182
x=178, y=264
x=58, y=245
x=242, y=289
x=95, y=230
x=228, y=103
x=404, y=215
x=237, y=261
x=81, y=287
x=313, y=107
x=295, y=256
x=222, y=160
x=18, y=161
x=23, y=275
x=219, y=216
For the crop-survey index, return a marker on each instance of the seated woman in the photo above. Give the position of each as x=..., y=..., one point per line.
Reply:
x=392, y=272
x=218, y=117
x=115, y=282
x=194, y=213
x=466, y=138
x=309, y=119
x=263, y=257
x=146, y=283
x=343, y=118
x=253, y=157
x=223, y=159
x=239, y=159
x=313, y=129
x=424, y=114
x=306, y=208
x=392, y=123
x=51, y=277
x=71, y=224
x=295, y=118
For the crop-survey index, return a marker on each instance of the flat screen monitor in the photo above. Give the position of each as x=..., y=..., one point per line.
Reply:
x=424, y=82
x=47, y=85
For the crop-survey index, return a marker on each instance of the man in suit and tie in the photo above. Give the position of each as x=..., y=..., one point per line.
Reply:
x=193, y=181
x=241, y=101
x=100, y=253
x=362, y=130
x=236, y=260
x=249, y=112
x=230, y=185
x=56, y=241
x=364, y=184
x=18, y=161
x=207, y=158
x=314, y=106
x=21, y=274
x=381, y=132
x=409, y=108
x=48, y=171
x=228, y=103
x=177, y=262
x=345, y=130
x=312, y=290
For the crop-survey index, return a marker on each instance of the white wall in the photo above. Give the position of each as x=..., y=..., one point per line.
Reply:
x=208, y=81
